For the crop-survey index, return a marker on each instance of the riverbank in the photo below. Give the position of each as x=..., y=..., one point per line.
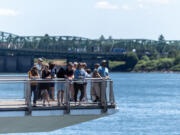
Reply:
x=133, y=63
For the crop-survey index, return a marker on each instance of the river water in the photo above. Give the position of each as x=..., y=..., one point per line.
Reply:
x=149, y=104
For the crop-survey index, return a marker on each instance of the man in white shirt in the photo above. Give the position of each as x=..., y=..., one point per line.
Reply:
x=39, y=65
x=103, y=70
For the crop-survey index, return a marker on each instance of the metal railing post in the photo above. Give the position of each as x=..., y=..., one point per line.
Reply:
x=67, y=98
x=103, y=96
x=25, y=92
x=28, y=98
x=111, y=93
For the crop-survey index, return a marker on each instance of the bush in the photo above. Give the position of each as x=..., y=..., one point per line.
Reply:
x=151, y=65
x=114, y=64
x=176, y=68
x=165, y=63
x=177, y=60
x=140, y=66
x=154, y=65
x=131, y=60
x=145, y=58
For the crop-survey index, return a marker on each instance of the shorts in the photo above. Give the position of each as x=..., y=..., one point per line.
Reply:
x=51, y=85
x=61, y=86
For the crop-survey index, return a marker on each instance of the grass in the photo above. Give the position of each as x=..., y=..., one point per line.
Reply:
x=113, y=64
x=61, y=62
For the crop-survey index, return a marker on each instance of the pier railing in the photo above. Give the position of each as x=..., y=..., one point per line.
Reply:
x=15, y=93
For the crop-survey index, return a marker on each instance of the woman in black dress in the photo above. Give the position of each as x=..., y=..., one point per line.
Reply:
x=52, y=68
x=45, y=85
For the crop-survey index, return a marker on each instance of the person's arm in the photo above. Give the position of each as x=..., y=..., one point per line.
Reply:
x=86, y=75
x=55, y=73
x=49, y=75
x=98, y=75
x=30, y=75
x=107, y=73
x=37, y=76
x=99, y=71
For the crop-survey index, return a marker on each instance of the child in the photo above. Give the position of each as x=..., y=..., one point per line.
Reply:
x=95, y=91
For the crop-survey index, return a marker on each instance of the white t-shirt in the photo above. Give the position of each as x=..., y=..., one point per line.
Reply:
x=39, y=67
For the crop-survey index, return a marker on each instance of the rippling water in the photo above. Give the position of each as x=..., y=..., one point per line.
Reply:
x=149, y=104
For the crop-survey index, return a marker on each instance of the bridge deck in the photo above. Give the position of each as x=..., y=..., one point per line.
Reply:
x=21, y=106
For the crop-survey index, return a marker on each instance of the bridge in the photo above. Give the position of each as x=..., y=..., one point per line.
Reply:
x=17, y=53
x=17, y=60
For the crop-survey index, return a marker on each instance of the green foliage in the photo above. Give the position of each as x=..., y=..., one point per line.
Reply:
x=114, y=64
x=145, y=58
x=177, y=60
x=154, y=65
x=140, y=66
x=165, y=63
x=131, y=60
x=175, y=68
x=102, y=38
x=161, y=38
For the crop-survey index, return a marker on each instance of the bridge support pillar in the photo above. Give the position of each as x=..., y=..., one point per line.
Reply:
x=13, y=64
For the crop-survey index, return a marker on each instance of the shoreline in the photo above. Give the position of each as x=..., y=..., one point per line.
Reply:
x=109, y=71
x=145, y=72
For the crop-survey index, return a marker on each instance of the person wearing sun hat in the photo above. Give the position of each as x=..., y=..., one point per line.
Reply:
x=103, y=70
x=104, y=73
x=39, y=65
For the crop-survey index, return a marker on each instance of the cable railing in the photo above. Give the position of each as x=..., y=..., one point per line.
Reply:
x=90, y=93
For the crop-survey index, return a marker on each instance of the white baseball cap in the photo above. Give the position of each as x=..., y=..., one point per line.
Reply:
x=40, y=59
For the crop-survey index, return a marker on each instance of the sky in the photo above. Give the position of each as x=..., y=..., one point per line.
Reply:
x=125, y=19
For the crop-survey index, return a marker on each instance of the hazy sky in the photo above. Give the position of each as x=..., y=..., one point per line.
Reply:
x=91, y=18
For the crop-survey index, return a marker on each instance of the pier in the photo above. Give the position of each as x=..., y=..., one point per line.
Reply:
x=17, y=114
x=22, y=102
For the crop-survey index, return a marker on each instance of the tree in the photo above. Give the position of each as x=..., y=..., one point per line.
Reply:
x=161, y=38
x=131, y=60
x=101, y=38
x=110, y=38
x=177, y=60
x=161, y=44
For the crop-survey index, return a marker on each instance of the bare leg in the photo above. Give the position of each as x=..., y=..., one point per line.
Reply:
x=85, y=96
x=47, y=96
x=62, y=95
x=72, y=91
x=58, y=96
x=52, y=93
x=43, y=96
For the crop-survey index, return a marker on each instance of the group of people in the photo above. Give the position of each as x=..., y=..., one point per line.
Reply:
x=75, y=73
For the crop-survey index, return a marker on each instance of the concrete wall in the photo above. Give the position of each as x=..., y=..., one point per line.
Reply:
x=12, y=64
x=2, y=67
x=24, y=64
